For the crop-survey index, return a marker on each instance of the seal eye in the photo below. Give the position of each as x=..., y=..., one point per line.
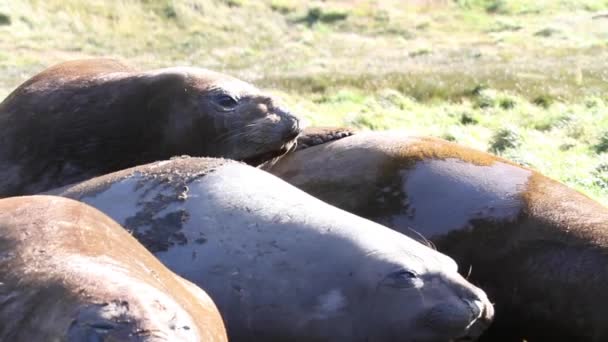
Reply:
x=402, y=279
x=226, y=101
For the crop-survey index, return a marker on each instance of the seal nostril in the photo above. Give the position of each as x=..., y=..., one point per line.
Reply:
x=476, y=307
x=291, y=134
x=482, y=315
x=488, y=313
x=297, y=127
x=481, y=307
x=294, y=128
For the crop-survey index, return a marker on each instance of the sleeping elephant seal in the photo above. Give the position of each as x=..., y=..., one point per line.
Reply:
x=70, y=273
x=86, y=118
x=538, y=248
x=282, y=265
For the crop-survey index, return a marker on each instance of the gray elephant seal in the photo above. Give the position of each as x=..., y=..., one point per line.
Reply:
x=538, y=248
x=282, y=265
x=70, y=273
x=86, y=118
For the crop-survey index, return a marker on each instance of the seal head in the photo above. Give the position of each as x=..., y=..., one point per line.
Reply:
x=86, y=118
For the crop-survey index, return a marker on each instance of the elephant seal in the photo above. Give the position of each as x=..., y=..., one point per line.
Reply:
x=85, y=118
x=538, y=248
x=282, y=265
x=70, y=273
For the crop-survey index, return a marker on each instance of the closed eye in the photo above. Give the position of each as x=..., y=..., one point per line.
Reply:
x=226, y=101
x=402, y=279
x=403, y=274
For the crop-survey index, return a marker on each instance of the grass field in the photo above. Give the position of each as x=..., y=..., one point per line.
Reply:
x=524, y=79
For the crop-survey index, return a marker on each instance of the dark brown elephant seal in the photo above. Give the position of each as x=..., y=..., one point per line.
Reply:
x=539, y=248
x=70, y=273
x=86, y=118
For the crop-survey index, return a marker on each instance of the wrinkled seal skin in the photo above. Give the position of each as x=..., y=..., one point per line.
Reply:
x=538, y=248
x=70, y=273
x=86, y=118
x=282, y=265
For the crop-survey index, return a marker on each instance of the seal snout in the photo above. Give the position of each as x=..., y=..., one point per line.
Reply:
x=291, y=123
x=293, y=130
x=481, y=313
x=465, y=315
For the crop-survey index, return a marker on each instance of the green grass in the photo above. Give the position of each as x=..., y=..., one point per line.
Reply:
x=524, y=79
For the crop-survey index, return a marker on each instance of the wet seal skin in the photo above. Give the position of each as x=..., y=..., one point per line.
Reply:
x=85, y=118
x=538, y=248
x=287, y=266
x=70, y=273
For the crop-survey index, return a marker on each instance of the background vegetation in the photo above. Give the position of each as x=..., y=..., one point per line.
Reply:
x=524, y=79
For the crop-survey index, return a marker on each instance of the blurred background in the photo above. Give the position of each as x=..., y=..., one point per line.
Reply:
x=527, y=80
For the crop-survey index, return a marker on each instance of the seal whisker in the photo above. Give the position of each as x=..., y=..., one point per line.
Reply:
x=425, y=241
x=244, y=132
x=228, y=135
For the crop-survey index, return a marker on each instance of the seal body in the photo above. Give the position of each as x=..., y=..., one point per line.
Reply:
x=538, y=248
x=282, y=265
x=86, y=118
x=70, y=273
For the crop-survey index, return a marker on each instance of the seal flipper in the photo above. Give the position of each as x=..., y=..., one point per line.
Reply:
x=312, y=136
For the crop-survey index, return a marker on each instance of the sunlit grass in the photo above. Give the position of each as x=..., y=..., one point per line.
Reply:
x=525, y=79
